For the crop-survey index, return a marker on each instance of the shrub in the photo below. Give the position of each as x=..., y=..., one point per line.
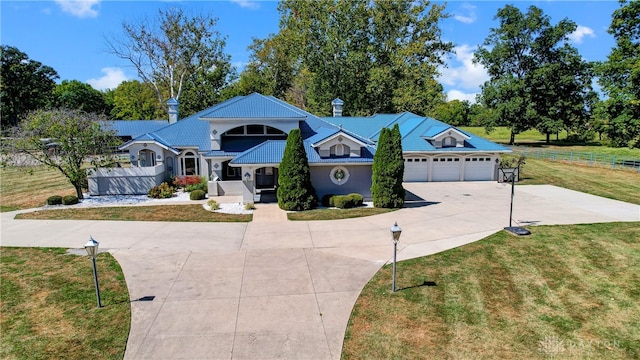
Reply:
x=357, y=199
x=162, y=191
x=343, y=201
x=54, y=200
x=387, y=170
x=295, y=191
x=70, y=200
x=197, y=195
x=213, y=205
x=326, y=200
x=249, y=206
x=202, y=185
x=184, y=181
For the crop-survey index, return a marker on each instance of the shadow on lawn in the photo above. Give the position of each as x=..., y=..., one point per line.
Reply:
x=424, y=283
x=412, y=200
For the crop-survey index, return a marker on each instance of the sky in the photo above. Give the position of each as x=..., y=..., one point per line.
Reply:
x=70, y=36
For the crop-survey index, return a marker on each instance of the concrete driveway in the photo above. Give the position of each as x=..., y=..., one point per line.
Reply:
x=279, y=289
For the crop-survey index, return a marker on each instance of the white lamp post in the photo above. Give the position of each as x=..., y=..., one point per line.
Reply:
x=92, y=249
x=395, y=236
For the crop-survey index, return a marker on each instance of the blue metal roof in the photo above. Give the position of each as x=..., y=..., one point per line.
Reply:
x=134, y=128
x=254, y=106
x=272, y=151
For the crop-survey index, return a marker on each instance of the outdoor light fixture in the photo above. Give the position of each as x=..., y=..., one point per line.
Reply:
x=395, y=236
x=92, y=249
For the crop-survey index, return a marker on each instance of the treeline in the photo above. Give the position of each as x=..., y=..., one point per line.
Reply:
x=379, y=56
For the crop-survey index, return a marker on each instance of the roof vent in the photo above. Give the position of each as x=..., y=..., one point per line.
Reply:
x=337, y=107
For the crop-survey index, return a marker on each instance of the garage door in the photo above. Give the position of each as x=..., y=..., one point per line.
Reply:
x=446, y=169
x=416, y=169
x=478, y=169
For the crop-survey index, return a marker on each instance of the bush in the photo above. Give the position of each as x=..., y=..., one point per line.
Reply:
x=213, y=205
x=326, y=200
x=249, y=206
x=54, y=200
x=70, y=200
x=162, y=191
x=197, y=195
x=186, y=181
x=357, y=199
x=202, y=186
x=343, y=201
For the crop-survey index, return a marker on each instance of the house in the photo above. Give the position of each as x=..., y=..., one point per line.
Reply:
x=238, y=145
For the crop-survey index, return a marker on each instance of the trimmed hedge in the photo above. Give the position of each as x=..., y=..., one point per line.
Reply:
x=197, y=195
x=54, y=200
x=70, y=200
x=343, y=201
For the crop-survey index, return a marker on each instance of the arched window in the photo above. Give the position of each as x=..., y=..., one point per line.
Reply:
x=449, y=141
x=146, y=158
x=190, y=164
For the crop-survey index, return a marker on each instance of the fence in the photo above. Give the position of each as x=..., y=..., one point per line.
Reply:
x=586, y=158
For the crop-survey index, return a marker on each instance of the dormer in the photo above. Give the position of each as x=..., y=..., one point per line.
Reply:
x=445, y=137
x=339, y=144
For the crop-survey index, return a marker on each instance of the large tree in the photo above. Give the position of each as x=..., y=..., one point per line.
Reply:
x=133, y=100
x=620, y=77
x=388, y=170
x=66, y=140
x=537, y=80
x=25, y=85
x=295, y=190
x=174, y=52
x=78, y=95
x=378, y=56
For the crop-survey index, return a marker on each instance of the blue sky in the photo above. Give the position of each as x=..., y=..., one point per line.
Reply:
x=70, y=35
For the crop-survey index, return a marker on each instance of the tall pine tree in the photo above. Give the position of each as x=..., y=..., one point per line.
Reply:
x=388, y=170
x=295, y=191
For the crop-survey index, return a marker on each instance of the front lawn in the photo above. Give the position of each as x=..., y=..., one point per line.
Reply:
x=48, y=306
x=569, y=292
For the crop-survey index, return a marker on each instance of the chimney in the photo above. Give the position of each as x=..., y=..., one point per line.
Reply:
x=173, y=110
x=337, y=107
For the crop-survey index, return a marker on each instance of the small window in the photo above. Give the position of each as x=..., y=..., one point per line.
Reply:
x=449, y=159
x=410, y=160
x=487, y=159
x=274, y=131
x=255, y=130
x=236, y=131
x=424, y=160
x=467, y=159
x=474, y=159
x=456, y=159
x=339, y=150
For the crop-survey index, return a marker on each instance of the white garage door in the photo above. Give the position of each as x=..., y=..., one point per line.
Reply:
x=478, y=168
x=446, y=169
x=416, y=169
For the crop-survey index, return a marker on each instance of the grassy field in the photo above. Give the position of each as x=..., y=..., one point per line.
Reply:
x=570, y=292
x=617, y=184
x=30, y=186
x=502, y=135
x=183, y=213
x=48, y=306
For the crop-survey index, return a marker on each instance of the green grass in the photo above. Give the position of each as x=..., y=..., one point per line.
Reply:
x=48, y=306
x=502, y=135
x=619, y=184
x=563, y=292
x=29, y=186
x=183, y=213
x=335, y=214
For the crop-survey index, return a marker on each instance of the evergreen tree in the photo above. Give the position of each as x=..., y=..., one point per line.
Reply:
x=295, y=191
x=388, y=170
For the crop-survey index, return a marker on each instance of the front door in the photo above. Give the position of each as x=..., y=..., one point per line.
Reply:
x=266, y=177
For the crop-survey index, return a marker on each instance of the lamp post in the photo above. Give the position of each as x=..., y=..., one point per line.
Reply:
x=395, y=236
x=92, y=249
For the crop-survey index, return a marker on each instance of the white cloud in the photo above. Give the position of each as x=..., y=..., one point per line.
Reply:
x=459, y=95
x=111, y=79
x=466, y=74
x=580, y=33
x=247, y=4
x=470, y=14
x=79, y=8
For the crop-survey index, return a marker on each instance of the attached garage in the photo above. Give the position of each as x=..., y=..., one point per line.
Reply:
x=478, y=168
x=416, y=169
x=446, y=169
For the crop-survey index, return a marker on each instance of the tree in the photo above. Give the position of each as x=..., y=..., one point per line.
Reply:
x=175, y=52
x=25, y=85
x=78, y=95
x=378, y=56
x=388, y=170
x=66, y=139
x=133, y=100
x=620, y=77
x=295, y=191
x=454, y=112
x=531, y=66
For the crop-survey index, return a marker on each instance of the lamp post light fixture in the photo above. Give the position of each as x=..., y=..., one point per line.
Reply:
x=92, y=249
x=395, y=236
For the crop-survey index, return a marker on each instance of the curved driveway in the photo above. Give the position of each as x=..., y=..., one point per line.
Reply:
x=280, y=289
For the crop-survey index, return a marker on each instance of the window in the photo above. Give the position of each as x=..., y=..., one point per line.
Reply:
x=255, y=130
x=339, y=150
x=236, y=131
x=274, y=131
x=449, y=141
x=190, y=164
